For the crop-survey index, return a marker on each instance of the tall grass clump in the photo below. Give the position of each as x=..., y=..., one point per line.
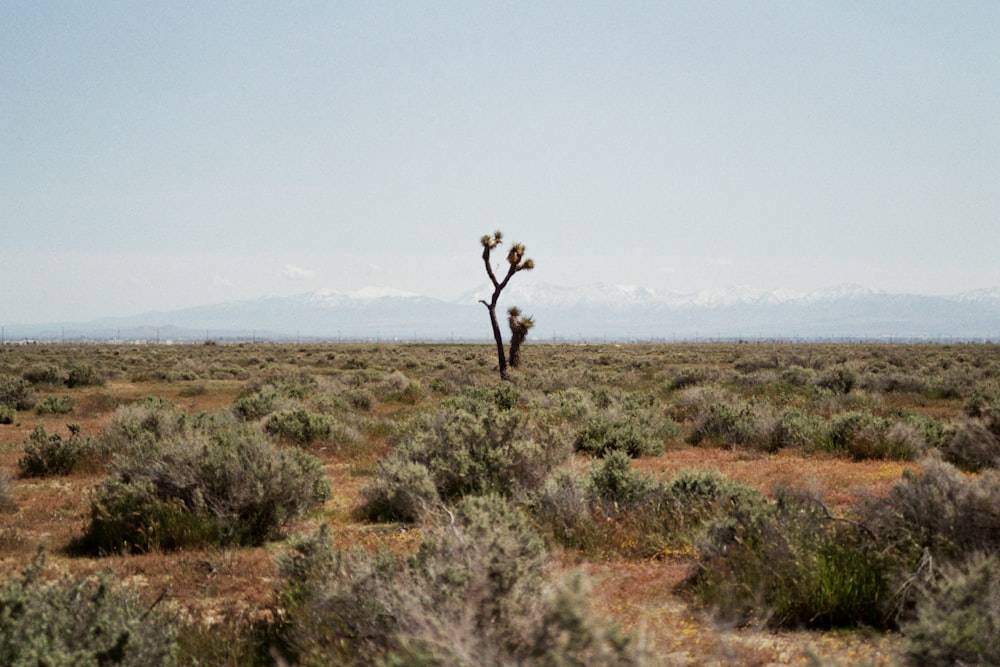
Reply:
x=80, y=621
x=228, y=486
x=475, y=592
x=475, y=444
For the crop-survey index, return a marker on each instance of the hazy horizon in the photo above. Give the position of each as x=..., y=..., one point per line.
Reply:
x=156, y=157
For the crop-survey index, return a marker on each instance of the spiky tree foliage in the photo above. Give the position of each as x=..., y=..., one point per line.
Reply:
x=519, y=327
x=516, y=261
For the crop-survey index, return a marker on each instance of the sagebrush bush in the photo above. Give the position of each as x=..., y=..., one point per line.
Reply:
x=80, y=621
x=142, y=425
x=50, y=454
x=797, y=429
x=84, y=375
x=863, y=436
x=942, y=510
x=734, y=424
x=16, y=393
x=44, y=374
x=55, y=405
x=475, y=592
x=957, y=616
x=7, y=414
x=620, y=510
x=971, y=446
x=299, y=426
x=230, y=486
x=475, y=444
x=788, y=563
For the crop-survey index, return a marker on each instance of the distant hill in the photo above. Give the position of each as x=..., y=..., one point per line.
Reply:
x=586, y=313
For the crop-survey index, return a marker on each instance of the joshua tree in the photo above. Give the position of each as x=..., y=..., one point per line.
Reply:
x=519, y=327
x=516, y=262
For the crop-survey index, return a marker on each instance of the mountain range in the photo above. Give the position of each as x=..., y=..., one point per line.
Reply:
x=584, y=313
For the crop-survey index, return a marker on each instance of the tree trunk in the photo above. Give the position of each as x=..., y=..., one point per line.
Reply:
x=501, y=357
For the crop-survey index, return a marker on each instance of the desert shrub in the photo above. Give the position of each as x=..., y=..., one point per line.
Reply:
x=615, y=482
x=48, y=454
x=731, y=423
x=599, y=437
x=299, y=426
x=142, y=425
x=839, y=379
x=44, y=374
x=631, y=423
x=80, y=621
x=862, y=436
x=788, y=563
x=797, y=428
x=55, y=405
x=473, y=445
x=84, y=375
x=797, y=376
x=474, y=593
x=273, y=391
x=619, y=510
x=957, y=617
x=16, y=393
x=969, y=445
x=396, y=386
x=941, y=510
x=7, y=414
x=257, y=403
x=230, y=486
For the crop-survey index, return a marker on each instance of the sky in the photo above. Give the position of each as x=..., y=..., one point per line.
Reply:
x=155, y=156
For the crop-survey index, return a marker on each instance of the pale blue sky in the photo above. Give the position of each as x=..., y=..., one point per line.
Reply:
x=160, y=155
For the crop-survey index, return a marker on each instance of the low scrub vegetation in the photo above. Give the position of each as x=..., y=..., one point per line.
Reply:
x=435, y=514
x=80, y=621
x=213, y=486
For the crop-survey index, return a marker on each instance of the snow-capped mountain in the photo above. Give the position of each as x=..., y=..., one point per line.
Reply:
x=588, y=312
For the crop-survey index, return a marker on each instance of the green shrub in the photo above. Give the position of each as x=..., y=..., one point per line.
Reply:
x=230, y=486
x=474, y=593
x=632, y=423
x=16, y=393
x=84, y=375
x=619, y=510
x=839, y=379
x=44, y=374
x=7, y=414
x=56, y=405
x=957, y=617
x=299, y=426
x=941, y=510
x=471, y=446
x=48, y=454
x=971, y=446
x=787, y=563
x=864, y=436
x=797, y=429
x=81, y=621
x=142, y=425
x=734, y=424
